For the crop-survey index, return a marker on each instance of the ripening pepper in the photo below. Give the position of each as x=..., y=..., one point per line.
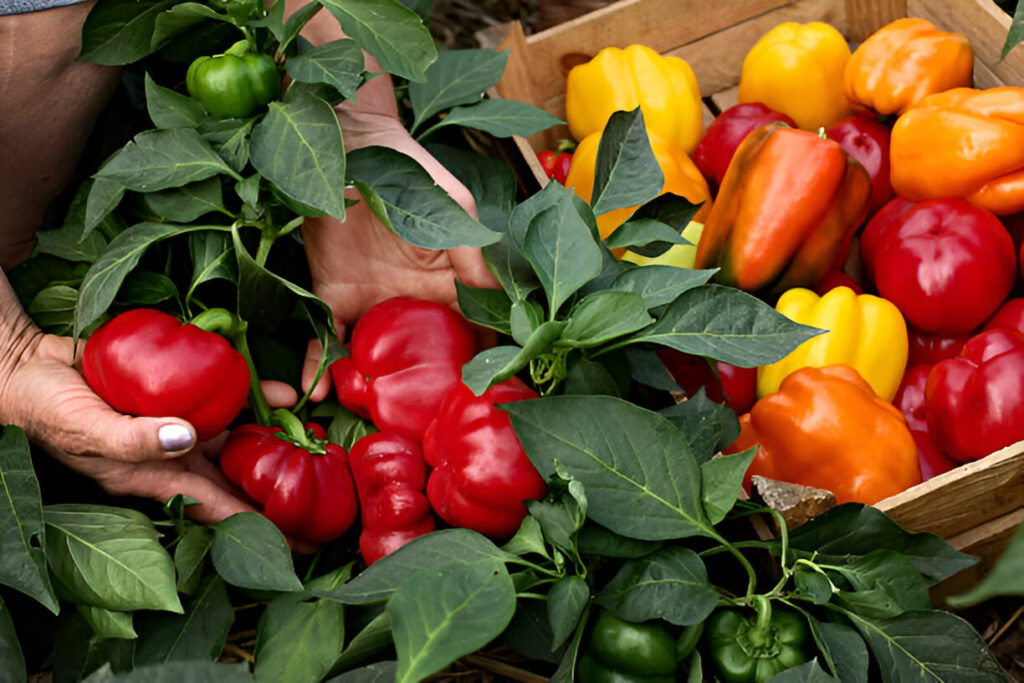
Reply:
x=905, y=60
x=622, y=79
x=974, y=403
x=787, y=209
x=751, y=648
x=965, y=143
x=910, y=400
x=147, y=362
x=390, y=476
x=481, y=474
x=619, y=651
x=826, y=428
x=234, y=84
x=300, y=478
x=406, y=354
x=719, y=142
x=863, y=331
x=797, y=69
x=681, y=178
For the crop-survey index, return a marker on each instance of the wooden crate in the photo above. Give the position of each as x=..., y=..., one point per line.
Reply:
x=975, y=507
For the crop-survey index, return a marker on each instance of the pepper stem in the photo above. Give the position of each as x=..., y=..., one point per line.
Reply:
x=296, y=432
x=761, y=632
x=221, y=321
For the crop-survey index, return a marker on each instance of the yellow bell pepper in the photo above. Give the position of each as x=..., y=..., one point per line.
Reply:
x=678, y=255
x=682, y=178
x=864, y=331
x=797, y=69
x=665, y=88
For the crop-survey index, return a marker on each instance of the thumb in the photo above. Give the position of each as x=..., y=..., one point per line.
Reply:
x=112, y=435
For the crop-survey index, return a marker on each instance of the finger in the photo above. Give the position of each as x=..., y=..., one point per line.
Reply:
x=309, y=368
x=470, y=268
x=108, y=434
x=279, y=394
x=215, y=503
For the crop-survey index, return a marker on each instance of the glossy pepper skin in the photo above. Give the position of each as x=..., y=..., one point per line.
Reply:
x=555, y=164
x=234, y=84
x=406, y=354
x=785, y=212
x=864, y=331
x=681, y=178
x=974, y=403
x=866, y=139
x=481, y=474
x=975, y=136
x=718, y=144
x=723, y=383
x=622, y=79
x=620, y=651
x=945, y=263
x=749, y=648
x=797, y=69
x=910, y=400
x=146, y=362
x=904, y=61
x=812, y=432
x=302, y=481
x=390, y=476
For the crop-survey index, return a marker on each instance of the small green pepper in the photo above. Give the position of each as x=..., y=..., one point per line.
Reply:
x=752, y=648
x=234, y=84
x=623, y=652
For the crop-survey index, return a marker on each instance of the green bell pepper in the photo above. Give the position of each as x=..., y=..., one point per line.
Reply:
x=234, y=84
x=623, y=652
x=753, y=648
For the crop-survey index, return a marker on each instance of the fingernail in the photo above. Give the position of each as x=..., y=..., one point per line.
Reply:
x=175, y=437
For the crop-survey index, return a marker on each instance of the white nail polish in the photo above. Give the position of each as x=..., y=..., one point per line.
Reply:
x=175, y=437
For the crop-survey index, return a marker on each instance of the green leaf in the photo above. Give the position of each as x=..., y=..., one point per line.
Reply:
x=708, y=426
x=484, y=369
x=844, y=650
x=524, y=318
x=169, y=109
x=561, y=249
x=1016, y=33
x=295, y=22
x=671, y=583
x=53, y=309
x=338, y=63
x=567, y=601
x=345, y=428
x=597, y=540
x=12, y=661
x=250, y=552
x=186, y=16
x=646, y=367
x=212, y=258
x=627, y=172
x=298, y=147
x=660, y=285
x=488, y=307
x=230, y=138
x=457, y=77
x=722, y=479
x=851, y=529
x=436, y=551
x=645, y=232
x=190, y=557
x=186, y=203
x=199, y=633
x=561, y=513
x=500, y=118
x=603, y=316
x=439, y=616
x=491, y=181
x=373, y=640
x=726, y=324
x=109, y=557
x=636, y=467
x=378, y=672
x=104, y=278
x=585, y=376
x=161, y=159
x=146, y=288
x=69, y=243
x=1005, y=578
x=670, y=209
x=808, y=672
x=928, y=645
x=104, y=196
x=298, y=640
x=407, y=200
x=107, y=623
x=118, y=32
x=892, y=575
x=176, y=672
x=393, y=34
x=528, y=539
x=812, y=584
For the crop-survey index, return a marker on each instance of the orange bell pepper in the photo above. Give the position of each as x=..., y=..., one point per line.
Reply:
x=788, y=205
x=965, y=143
x=904, y=61
x=682, y=178
x=826, y=428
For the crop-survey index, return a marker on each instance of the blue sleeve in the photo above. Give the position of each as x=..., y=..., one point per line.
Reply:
x=22, y=6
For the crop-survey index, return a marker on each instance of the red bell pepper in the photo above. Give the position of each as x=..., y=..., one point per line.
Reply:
x=974, y=403
x=301, y=480
x=481, y=474
x=928, y=349
x=722, y=383
x=946, y=264
x=146, y=362
x=717, y=146
x=390, y=476
x=866, y=139
x=406, y=355
x=1010, y=314
x=910, y=400
x=837, y=278
x=555, y=164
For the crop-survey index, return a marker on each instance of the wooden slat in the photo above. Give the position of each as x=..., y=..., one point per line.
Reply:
x=864, y=17
x=986, y=542
x=964, y=497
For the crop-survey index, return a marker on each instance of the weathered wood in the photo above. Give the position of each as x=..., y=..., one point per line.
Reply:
x=864, y=17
